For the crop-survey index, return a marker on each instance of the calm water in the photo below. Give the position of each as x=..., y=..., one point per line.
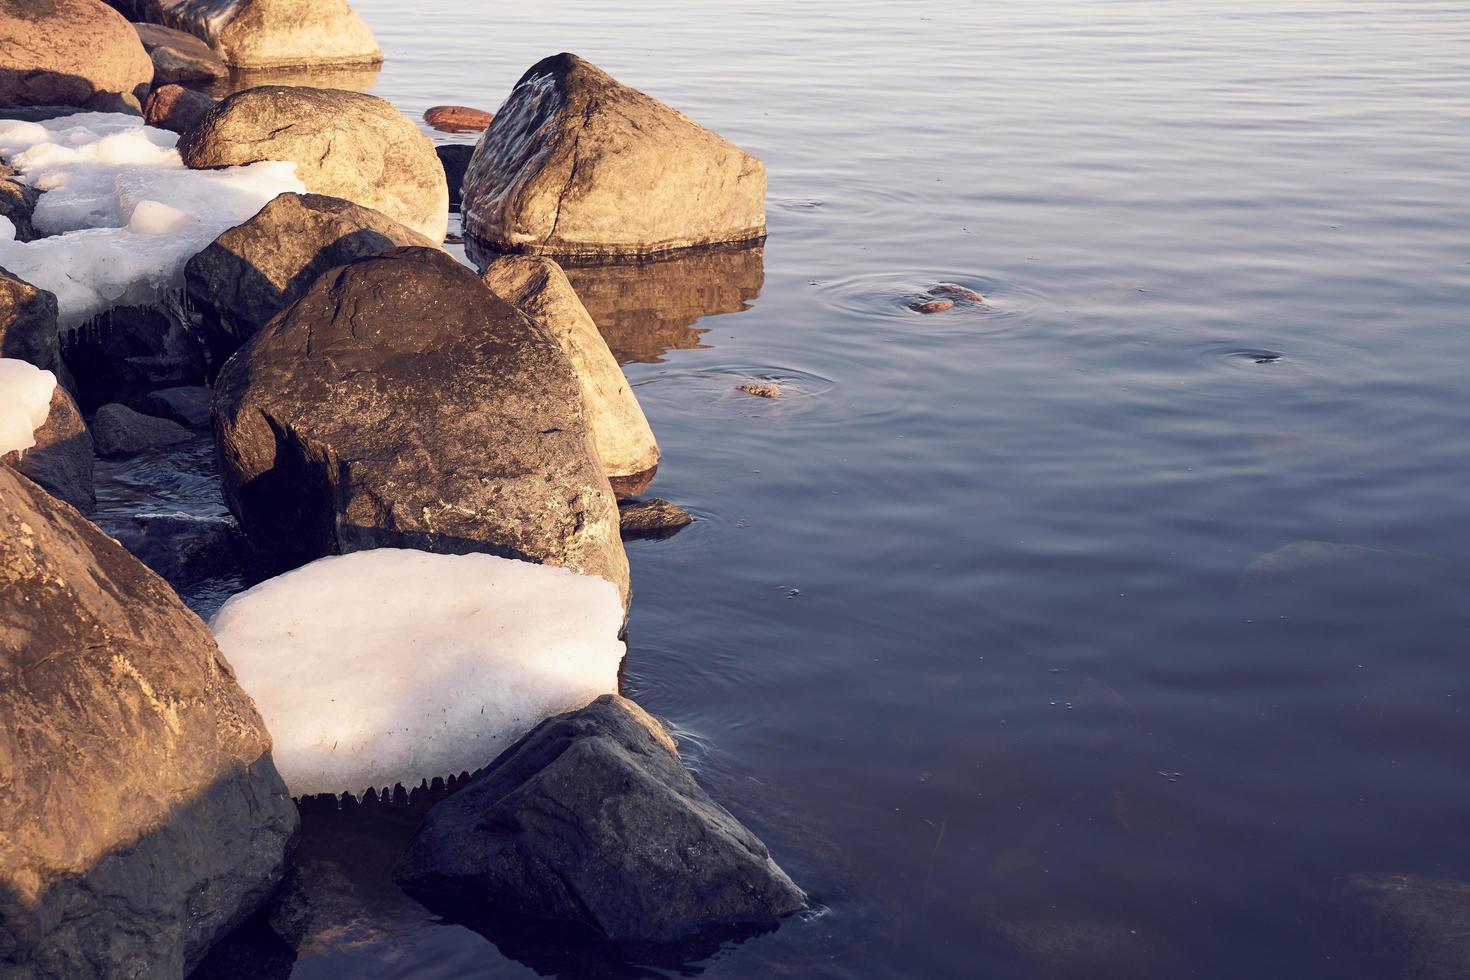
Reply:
x=965, y=628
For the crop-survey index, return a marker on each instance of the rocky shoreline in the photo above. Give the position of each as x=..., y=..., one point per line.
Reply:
x=444, y=457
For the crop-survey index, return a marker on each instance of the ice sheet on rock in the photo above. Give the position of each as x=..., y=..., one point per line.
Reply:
x=394, y=665
x=123, y=213
x=25, y=401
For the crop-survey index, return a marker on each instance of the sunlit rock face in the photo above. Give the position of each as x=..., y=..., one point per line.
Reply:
x=399, y=403
x=271, y=33
x=576, y=163
x=344, y=144
x=70, y=53
x=144, y=817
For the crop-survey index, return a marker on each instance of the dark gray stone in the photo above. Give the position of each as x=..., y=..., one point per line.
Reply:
x=187, y=405
x=183, y=548
x=455, y=157
x=28, y=323
x=143, y=815
x=592, y=818
x=119, y=431
x=399, y=403
x=61, y=461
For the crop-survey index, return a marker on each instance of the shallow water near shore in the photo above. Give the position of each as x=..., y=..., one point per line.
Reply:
x=986, y=625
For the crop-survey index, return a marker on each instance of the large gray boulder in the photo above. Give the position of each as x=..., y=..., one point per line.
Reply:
x=28, y=329
x=538, y=288
x=576, y=163
x=143, y=817
x=344, y=144
x=179, y=56
x=70, y=53
x=255, y=270
x=592, y=818
x=271, y=33
x=398, y=403
x=61, y=460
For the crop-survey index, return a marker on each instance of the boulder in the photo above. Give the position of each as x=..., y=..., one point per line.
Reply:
x=131, y=350
x=187, y=405
x=143, y=816
x=538, y=288
x=61, y=459
x=592, y=818
x=652, y=518
x=399, y=403
x=18, y=203
x=28, y=330
x=576, y=163
x=272, y=33
x=255, y=270
x=455, y=157
x=70, y=52
x=119, y=431
x=179, y=57
x=176, y=108
x=344, y=144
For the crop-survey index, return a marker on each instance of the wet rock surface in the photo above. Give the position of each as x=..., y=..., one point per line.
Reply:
x=255, y=270
x=344, y=144
x=119, y=431
x=270, y=33
x=165, y=823
x=576, y=163
x=591, y=818
x=538, y=288
x=61, y=459
x=78, y=53
x=184, y=548
x=652, y=518
x=398, y=403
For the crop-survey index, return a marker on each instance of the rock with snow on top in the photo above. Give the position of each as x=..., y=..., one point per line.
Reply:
x=28, y=329
x=61, y=461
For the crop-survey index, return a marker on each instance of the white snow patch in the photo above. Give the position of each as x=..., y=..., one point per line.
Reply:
x=25, y=401
x=394, y=666
x=123, y=212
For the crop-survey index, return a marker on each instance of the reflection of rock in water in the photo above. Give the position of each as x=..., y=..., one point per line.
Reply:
x=352, y=78
x=649, y=307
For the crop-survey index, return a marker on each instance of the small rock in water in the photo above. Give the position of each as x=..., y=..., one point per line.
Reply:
x=119, y=431
x=652, y=518
x=933, y=306
x=956, y=290
x=176, y=108
x=457, y=119
x=762, y=389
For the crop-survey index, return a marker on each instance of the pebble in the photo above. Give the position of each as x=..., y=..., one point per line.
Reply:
x=457, y=118
x=933, y=306
x=761, y=389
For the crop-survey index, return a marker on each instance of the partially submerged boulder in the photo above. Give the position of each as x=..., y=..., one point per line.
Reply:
x=344, y=144
x=179, y=56
x=652, y=518
x=538, y=288
x=119, y=431
x=272, y=33
x=28, y=328
x=592, y=818
x=457, y=118
x=143, y=816
x=61, y=460
x=176, y=108
x=399, y=403
x=576, y=163
x=71, y=53
x=255, y=270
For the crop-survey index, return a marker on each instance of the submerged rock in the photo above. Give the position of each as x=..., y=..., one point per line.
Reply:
x=399, y=403
x=591, y=818
x=255, y=270
x=119, y=431
x=576, y=163
x=344, y=144
x=271, y=33
x=652, y=518
x=176, y=108
x=143, y=815
x=457, y=118
x=178, y=56
x=70, y=53
x=61, y=460
x=538, y=288
x=28, y=329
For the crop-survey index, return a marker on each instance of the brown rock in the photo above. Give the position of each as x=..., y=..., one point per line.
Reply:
x=957, y=291
x=272, y=33
x=399, y=403
x=576, y=163
x=457, y=118
x=652, y=518
x=143, y=818
x=761, y=389
x=61, y=460
x=344, y=144
x=933, y=306
x=176, y=108
x=538, y=288
x=70, y=52
x=178, y=56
